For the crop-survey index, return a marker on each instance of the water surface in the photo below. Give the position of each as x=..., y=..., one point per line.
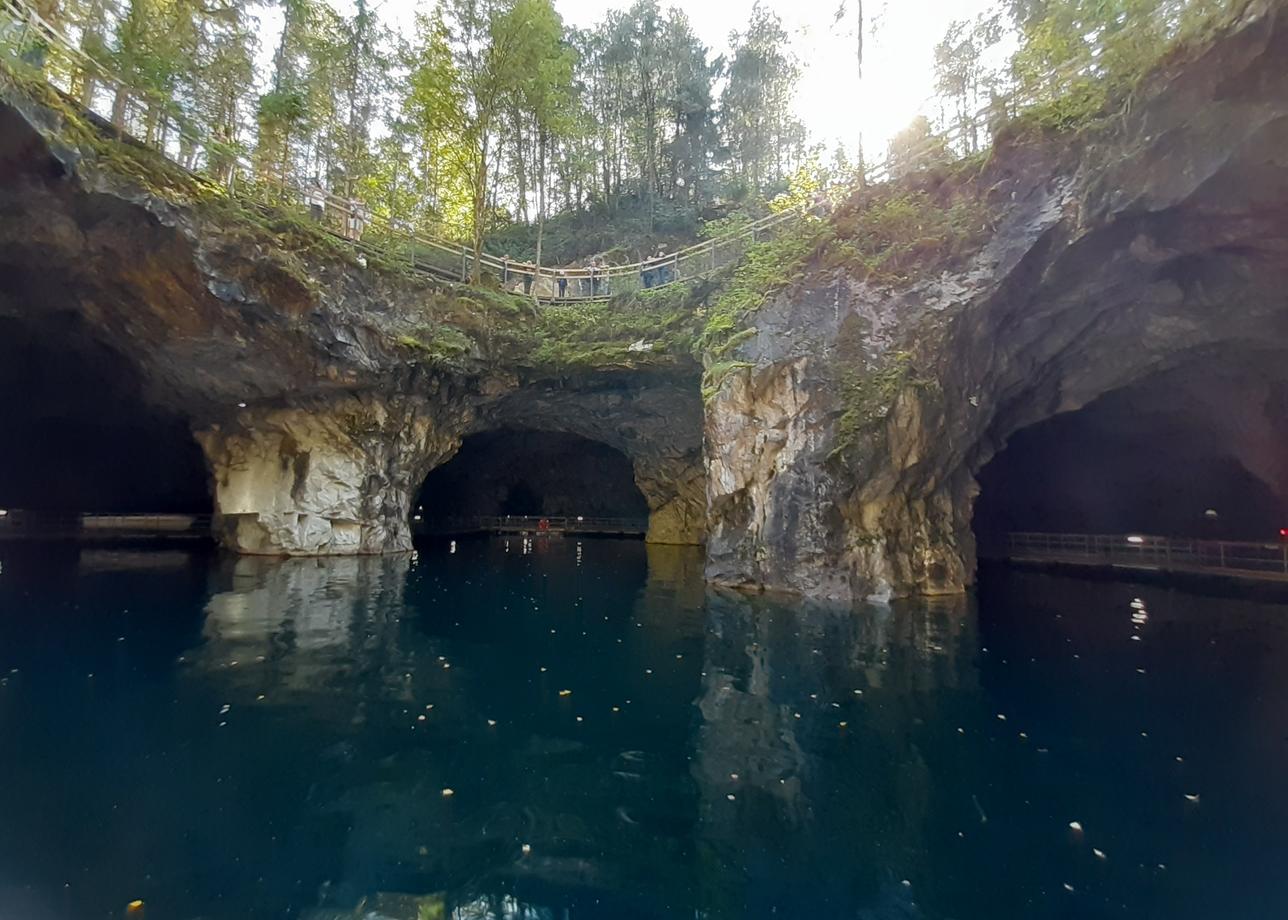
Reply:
x=253, y=738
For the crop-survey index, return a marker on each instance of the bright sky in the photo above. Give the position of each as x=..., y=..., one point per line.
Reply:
x=832, y=102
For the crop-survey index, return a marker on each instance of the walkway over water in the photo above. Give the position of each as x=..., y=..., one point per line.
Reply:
x=90, y=527
x=1259, y=561
x=519, y=524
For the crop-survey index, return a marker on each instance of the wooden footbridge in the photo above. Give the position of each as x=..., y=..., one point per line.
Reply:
x=29, y=42
x=532, y=525
x=90, y=527
x=1267, y=561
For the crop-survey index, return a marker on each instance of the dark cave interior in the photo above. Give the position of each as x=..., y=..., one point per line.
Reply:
x=528, y=472
x=1152, y=458
x=78, y=435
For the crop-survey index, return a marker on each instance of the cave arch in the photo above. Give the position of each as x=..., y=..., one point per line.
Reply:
x=532, y=472
x=80, y=437
x=1191, y=452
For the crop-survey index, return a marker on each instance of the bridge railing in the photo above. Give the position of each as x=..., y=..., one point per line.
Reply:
x=585, y=524
x=1268, y=559
x=19, y=523
x=29, y=40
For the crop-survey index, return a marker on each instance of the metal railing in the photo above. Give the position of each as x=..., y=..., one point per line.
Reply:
x=63, y=525
x=1267, y=560
x=530, y=524
x=28, y=40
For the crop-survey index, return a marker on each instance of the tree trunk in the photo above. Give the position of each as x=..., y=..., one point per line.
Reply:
x=541, y=208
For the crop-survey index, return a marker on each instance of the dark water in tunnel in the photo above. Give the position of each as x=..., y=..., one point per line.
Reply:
x=236, y=739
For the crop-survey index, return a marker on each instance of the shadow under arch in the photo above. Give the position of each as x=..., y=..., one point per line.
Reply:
x=1188, y=452
x=79, y=435
x=521, y=471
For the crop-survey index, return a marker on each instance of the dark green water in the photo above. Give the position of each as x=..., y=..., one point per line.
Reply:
x=255, y=739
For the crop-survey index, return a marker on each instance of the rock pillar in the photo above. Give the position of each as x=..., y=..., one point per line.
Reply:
x=334, y=481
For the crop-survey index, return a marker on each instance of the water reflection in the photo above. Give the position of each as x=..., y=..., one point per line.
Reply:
x=277, y=738
x=800, y=705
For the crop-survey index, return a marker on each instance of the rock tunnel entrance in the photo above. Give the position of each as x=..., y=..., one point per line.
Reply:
x=78, y=437
x=1201, y=451
x=524, y=472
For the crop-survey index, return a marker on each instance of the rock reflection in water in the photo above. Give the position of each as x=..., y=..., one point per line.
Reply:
x=278, y=738
x=804, y=738
x=681, y=699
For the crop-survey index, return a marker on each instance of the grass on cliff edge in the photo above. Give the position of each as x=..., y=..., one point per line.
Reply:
x=463, y=326
x=889, y=236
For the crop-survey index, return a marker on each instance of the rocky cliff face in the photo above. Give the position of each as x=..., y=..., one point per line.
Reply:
x=841, y=458
x=836, y=454
x=322, y=384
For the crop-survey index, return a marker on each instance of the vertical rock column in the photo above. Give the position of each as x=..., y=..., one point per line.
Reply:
x=332, y=481
x=771, y=500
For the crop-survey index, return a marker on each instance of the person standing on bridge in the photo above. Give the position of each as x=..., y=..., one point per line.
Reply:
x=315, y=198
x=660, y=274
x=563, y=283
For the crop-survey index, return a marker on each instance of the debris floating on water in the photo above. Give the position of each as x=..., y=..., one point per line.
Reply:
x=449, y=792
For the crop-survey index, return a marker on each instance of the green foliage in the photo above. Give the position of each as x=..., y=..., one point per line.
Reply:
x=765, y=140
x=866, y=397
x=440, y=345
x=631, y=333
x=765, y=269
x=895, y=234
x=713, y=377
x=630, y=232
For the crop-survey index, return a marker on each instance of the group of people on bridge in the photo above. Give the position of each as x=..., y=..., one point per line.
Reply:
x=586, y=283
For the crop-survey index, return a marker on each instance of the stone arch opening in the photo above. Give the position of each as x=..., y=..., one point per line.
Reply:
x=520, y=471
x=1197, y=451
x=80, y=437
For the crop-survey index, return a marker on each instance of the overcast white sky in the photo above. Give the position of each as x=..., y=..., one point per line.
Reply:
x=832, y=101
